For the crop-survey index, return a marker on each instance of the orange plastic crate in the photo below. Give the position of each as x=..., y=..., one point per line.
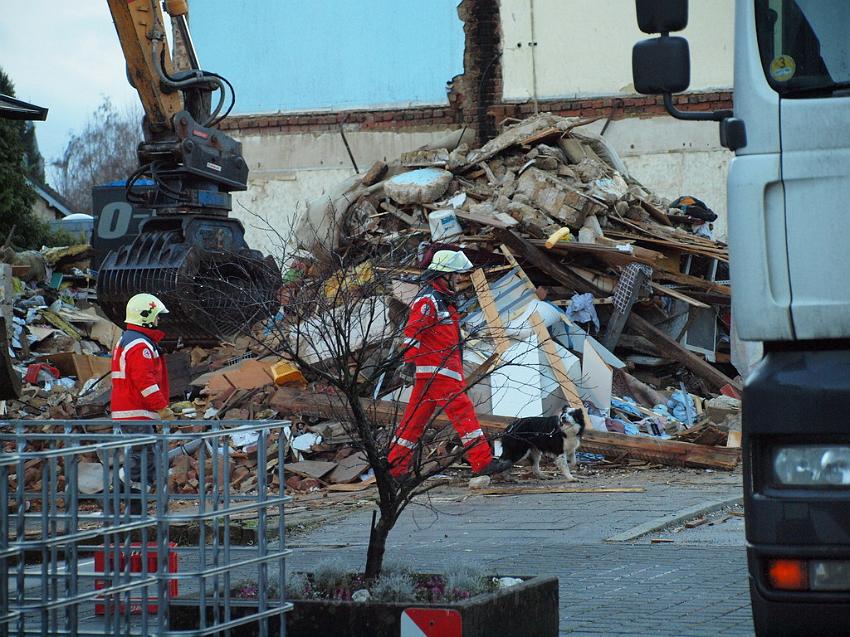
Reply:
x=135, y=563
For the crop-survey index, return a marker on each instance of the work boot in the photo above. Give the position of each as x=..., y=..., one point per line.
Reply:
x=497, y=465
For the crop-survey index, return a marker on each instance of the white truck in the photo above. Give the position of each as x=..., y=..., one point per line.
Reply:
x=788, y=202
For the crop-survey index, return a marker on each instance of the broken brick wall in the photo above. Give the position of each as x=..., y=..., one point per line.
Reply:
x=294, y=156
x=480, y=87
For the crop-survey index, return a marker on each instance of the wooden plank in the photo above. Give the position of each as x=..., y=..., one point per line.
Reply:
x=613, y=256
x=542, y=136
x=291, y=400
x=677, y=295
x=672, y=349
x=734, y=440
x=716, y=252
x=695, y=282
x=512, y=262
x=356, y=486
x=413, y=223
x=655, y=213
x=482, y=370
x=500, y=220
x=557, y=364
x=491, y=312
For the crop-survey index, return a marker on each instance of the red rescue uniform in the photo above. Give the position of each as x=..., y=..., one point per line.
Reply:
x=139, y=376
x=435, y=348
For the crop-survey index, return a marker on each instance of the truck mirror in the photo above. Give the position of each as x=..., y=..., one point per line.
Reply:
x=662, y=16
x=661, y=65
x=733, y=133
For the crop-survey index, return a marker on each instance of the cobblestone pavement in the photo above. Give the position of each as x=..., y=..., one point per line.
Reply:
x=694, y=583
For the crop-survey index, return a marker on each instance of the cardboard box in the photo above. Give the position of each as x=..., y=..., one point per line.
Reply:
x=81, y=366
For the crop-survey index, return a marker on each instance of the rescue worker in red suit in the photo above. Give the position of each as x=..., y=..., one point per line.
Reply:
x=434, y=358
x=140, y=383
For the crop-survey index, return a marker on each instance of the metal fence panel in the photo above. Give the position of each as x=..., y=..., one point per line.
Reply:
x=87, y=551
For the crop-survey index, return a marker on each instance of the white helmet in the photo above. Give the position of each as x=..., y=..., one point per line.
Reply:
x=450, y=261
x=143, y=309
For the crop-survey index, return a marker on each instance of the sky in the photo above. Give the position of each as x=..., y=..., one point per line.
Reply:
x=335, y=54
x=64, y=56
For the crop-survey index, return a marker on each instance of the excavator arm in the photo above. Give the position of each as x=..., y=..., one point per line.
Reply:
x=141, y=32
x=190, y=254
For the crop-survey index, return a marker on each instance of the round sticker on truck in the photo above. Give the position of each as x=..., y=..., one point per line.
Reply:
x=783, y=68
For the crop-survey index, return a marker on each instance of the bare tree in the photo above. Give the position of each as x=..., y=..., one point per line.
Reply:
x=340, y=321
x=104, y=151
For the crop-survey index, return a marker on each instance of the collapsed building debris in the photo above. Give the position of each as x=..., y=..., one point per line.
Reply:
x=589, y=289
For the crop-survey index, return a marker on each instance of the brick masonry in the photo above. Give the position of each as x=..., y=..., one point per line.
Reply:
x=438, y=117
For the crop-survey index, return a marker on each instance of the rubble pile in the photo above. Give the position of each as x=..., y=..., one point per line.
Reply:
x=622, y=295
x=629, y=285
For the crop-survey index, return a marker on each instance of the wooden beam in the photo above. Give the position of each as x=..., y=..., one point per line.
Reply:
x=545, y=263
x=290, y=400
x=668, y=452
x=672, y=349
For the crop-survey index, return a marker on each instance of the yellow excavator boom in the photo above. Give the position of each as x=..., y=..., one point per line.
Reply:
x=141, y=32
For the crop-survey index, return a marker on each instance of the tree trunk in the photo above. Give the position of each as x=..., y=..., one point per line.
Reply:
x=377, y=545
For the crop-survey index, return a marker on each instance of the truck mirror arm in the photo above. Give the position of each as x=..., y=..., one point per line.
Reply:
x=733, y=131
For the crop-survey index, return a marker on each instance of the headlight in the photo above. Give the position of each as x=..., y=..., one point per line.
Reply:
x=812, y=465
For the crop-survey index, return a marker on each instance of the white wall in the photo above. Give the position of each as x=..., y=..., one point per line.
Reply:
x=288, y=170
x=672, y=158
x=584, y=47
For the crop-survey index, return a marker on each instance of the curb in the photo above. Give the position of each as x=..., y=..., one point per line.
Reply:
x=675, y=518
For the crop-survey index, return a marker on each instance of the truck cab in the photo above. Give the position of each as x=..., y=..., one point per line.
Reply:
x=788, y=194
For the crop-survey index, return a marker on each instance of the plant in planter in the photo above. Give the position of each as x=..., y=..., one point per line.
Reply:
x=333, y=600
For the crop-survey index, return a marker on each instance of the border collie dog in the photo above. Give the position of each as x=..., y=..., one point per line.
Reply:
x=555, y=437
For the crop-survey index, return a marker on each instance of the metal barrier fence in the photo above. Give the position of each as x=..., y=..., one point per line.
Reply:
x=85, y=552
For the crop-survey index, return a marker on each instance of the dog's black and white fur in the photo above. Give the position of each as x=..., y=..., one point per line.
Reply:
x=555, y=437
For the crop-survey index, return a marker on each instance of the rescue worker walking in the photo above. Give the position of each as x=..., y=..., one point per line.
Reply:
x=140, y=382
x=434, y=358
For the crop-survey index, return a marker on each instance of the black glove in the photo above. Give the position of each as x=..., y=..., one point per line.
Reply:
x=407, y=373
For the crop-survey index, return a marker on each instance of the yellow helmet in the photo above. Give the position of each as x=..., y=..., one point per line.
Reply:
x=143, y=309
x=450, y=261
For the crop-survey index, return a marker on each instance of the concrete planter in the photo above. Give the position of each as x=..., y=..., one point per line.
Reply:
x=529, y=609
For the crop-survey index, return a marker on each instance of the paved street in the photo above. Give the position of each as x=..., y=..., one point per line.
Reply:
x=693, y=582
